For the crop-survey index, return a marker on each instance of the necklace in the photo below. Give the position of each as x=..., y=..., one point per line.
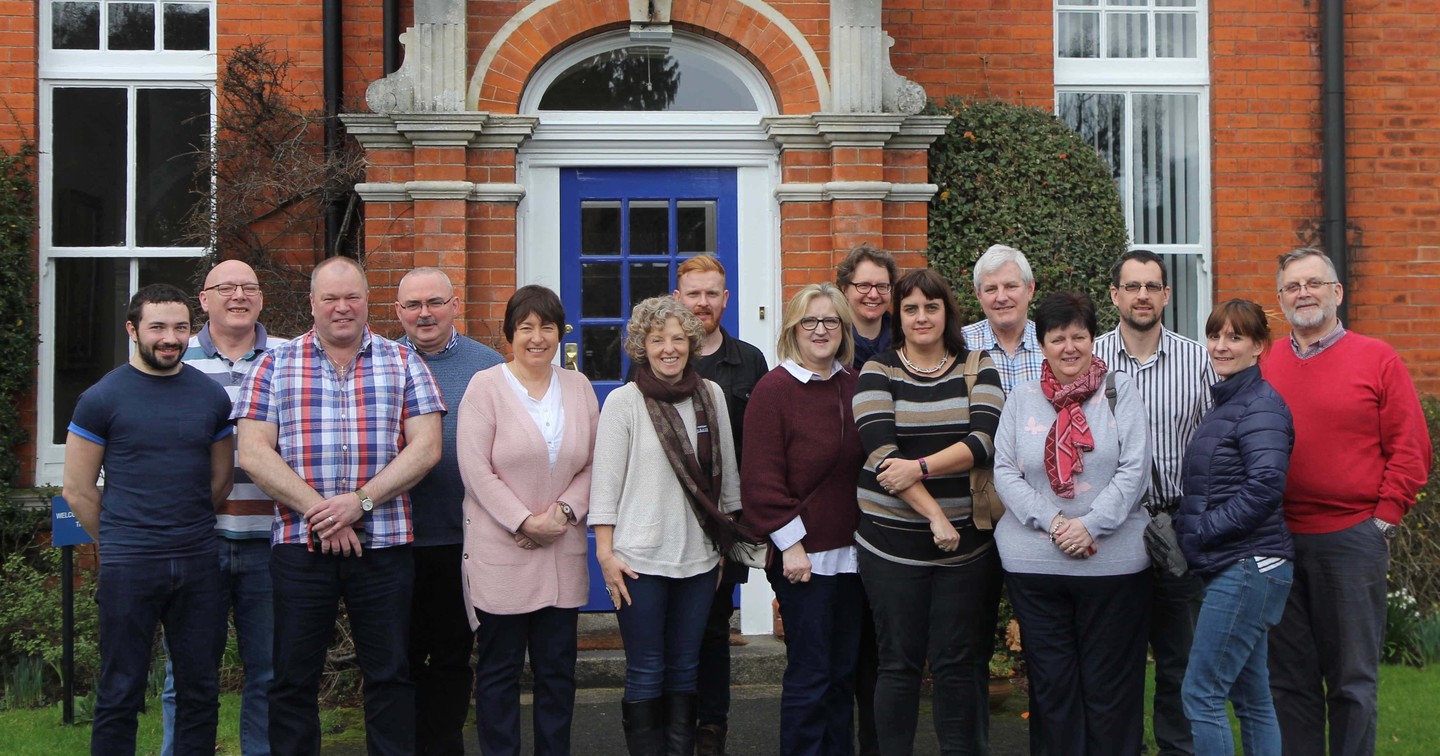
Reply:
x=914, y=369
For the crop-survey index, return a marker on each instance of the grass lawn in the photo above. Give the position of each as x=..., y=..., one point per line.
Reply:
x=38, y=732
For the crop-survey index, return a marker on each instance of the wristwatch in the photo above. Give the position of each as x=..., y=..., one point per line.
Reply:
x=366, y=503
x=568, y=512
x=1386, y=529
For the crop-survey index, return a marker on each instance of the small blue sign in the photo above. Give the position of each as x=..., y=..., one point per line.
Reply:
x=65, y=530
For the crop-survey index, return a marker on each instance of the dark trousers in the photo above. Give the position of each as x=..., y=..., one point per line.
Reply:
x=713, y=681
x=661, y=628
x=867, y=671
x=440, y=643
x=822, y=639
x=1174, y=608
x=1084, y=645
x=376, y=589
x=550, y=637
x=1325, y=653
x=187, y=597
x=945, y=615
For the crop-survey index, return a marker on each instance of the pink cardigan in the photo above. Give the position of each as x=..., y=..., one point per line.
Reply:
x=507, y=476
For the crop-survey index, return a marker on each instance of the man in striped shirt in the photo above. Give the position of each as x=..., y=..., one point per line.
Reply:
x=1174, y=376
x=225, y=349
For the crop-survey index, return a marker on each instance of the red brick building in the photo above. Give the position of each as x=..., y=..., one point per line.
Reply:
x=588, y=144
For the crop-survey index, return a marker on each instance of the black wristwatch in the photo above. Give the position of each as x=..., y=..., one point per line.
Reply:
x=1386, y=529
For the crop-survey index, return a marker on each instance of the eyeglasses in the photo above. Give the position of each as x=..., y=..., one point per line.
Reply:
x=1134, y=287
x=434, y=304
x=864, y=288
x=811, y=324
x=1313, y=284
x=226, y=289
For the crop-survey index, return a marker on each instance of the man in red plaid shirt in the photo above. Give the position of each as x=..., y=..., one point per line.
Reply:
x=336, y=425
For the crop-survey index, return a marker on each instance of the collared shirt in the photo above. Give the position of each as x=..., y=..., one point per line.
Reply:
x=248, y=512
x=449, y=343
x=1325, y=342
x=338, y=433
x=548, y=411
x=1175, y=384
x=1015, y=369
x=834, y=561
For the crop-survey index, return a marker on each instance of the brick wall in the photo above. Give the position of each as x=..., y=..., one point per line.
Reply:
x=990, y=49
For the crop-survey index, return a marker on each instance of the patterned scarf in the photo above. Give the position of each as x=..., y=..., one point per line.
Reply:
x=1070, y=436
x=697, y=469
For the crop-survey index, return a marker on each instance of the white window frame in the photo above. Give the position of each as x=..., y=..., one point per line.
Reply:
x=129, y=70
x=1149, y=70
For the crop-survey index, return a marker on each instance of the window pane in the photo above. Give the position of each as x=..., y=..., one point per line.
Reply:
x=75, y=26
x=132, y=26
x=600, y=283
x=170, y=125
x=176, y=271
x=1099, y=118
x=1183, y=273
x=1166, y=160
x=599, y=228
x=1175, y=3
x=1079, y=35
x=695, y=226
x=648, y=78
x=651, y=279
x=649, y=227
x=187, y=26
x=1175, y=35
x=90, y=299
x=600, y=352
x=1127, y=35
x=88, y=186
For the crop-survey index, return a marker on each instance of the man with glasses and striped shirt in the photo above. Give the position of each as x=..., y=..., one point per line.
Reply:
x=1174, y=376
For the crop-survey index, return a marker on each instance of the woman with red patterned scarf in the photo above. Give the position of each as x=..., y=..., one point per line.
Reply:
x=1072, y=461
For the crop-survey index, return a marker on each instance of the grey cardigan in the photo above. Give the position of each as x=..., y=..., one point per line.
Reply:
x=1107, y=492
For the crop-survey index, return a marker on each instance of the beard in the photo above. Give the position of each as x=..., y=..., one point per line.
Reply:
x=1310, y=318
x=155, y=361
x=1145, y=324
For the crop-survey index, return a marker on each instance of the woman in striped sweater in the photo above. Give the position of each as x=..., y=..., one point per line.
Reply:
x=933, y=578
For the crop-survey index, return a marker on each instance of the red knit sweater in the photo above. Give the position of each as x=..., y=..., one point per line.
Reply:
x=1362, y=448
x=794, y=444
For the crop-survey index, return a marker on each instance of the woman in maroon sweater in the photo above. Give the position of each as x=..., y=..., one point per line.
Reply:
x=798, y=484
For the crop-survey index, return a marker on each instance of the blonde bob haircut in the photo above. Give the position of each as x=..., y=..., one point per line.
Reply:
x=789, y=346
x=652, y=315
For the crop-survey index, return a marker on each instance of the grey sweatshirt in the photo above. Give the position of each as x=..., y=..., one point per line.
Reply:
x=1107, y=493
x=633, y=487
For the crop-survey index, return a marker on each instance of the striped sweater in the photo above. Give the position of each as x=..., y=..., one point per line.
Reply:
x=901, y=414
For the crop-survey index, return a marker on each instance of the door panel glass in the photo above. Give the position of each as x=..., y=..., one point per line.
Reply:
x=599, y=227
x=602, y=290
x=695, y=226
x=88, y=181
x=649, y=227
x=600, y=352
x=650, y=279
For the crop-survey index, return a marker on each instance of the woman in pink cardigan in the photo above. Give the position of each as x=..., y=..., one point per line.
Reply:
x=526, y=432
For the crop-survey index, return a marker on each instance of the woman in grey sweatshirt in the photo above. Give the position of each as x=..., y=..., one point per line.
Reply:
x=1071, y=466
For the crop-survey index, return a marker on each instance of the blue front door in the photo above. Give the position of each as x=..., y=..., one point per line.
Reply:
x=623, y=231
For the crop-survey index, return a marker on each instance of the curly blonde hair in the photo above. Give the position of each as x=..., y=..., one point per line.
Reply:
x=652, y=314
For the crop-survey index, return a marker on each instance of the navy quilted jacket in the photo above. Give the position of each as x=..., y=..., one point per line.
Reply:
x=1234, y=477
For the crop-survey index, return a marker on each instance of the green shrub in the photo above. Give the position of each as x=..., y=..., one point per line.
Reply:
x=1016, y=175
x=31, y=619
x=19, y=326
x=1428, y=637
x=1402, y=630
x=1415, y=552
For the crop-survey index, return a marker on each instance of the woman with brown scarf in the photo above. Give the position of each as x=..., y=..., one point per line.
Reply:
x=663, y=484
x=1071, y=465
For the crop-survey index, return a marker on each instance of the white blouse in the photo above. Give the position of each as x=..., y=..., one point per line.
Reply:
x=548, y=411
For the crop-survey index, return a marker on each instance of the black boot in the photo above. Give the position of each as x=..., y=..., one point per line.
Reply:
x=681, y=711
x=644, y=723
x=710, y=740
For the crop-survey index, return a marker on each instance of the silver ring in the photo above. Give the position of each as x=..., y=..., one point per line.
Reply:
x=332, y=518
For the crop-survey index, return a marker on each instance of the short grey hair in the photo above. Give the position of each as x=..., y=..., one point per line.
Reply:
x=428, y=270
x=651, y=315
x=996, y=257
x=1300, y=254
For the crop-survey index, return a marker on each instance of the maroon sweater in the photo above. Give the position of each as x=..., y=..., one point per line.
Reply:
x=800, y=437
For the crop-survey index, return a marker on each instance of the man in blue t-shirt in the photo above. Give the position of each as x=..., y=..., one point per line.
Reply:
x=161, y=431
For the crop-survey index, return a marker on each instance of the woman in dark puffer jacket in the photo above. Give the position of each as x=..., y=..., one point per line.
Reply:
x=1235, y=538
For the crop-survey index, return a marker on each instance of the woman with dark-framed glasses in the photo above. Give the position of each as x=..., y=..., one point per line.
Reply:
x=798, y=485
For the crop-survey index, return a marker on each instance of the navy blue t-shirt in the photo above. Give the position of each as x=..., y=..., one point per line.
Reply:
x=157, y=432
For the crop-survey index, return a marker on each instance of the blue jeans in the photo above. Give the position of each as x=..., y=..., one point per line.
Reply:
x=308, y=589
x=661, y=629
x=185, y=596
x=822, y=642
x=245, y=568
x=1228, y=659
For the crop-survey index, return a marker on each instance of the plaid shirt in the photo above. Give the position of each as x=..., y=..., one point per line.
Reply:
x=338, y=434
x=1021, y=368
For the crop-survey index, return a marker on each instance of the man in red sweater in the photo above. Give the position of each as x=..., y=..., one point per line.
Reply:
x=1362, y=452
